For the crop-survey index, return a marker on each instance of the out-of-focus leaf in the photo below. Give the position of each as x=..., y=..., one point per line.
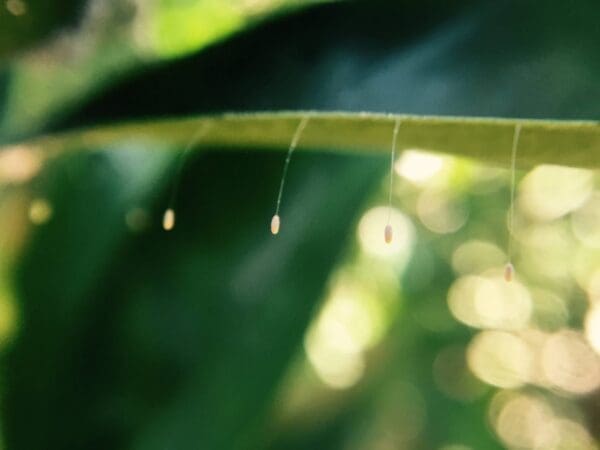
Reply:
x=509, y=58
x=27, y=22
x=570, y=143
x=113, y=38
x=171, y=340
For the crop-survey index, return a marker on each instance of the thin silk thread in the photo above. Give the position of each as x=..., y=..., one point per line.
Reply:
x=513, y=160
x=388, y=232
x=509, y=268
x=392, y=159
x=275, y=221
x=169, y=214
x=288, y=158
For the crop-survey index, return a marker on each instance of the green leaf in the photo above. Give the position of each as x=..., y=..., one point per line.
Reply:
x=25, y=23
x=169, y=339
x=569, y=143
x=465, y=58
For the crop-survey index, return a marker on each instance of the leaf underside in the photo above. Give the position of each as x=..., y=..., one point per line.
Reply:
x=569, y=143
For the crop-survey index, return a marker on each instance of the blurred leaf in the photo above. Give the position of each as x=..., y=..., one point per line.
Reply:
x=27, y=22
x=460, y=58
x=112, y=39
x=170, y=339
x=176, y=29
x=433, y=57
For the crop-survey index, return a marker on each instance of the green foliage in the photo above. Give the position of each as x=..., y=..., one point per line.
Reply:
x=568, y=143
x=167, y=339
x=27, y=23
x=132, y=338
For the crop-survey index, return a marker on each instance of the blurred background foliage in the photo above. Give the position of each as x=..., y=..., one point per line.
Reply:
x=115, y=334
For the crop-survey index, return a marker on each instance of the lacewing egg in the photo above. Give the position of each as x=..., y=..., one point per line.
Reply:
x=275, y=222
x=388, y=234
x=509, y=271
x=169, y=219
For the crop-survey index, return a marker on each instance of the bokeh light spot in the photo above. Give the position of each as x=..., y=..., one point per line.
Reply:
x=569, y=364
x=18, y=164
x=16, y=7
x=592, y=327
x=500, y=359
x=347, y=326
x=524, y=422
x=489, y=302
x=586, y=222
x=370, y=234
x=418, y=166
x=40, y=211
x=550, y=192
x=441, y=213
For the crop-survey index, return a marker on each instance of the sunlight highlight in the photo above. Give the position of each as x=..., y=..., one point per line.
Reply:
x=369, y=234
x=418, y=166
x=500, y=359
x=490, y=302
x=527, y=420
x=550, y=192
x=348, y=325
x=523, y=422
x=16, y=7
x=569, y=364
x=585, y=222
x=40, y=211
x=592, y=327
x=19, y=164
